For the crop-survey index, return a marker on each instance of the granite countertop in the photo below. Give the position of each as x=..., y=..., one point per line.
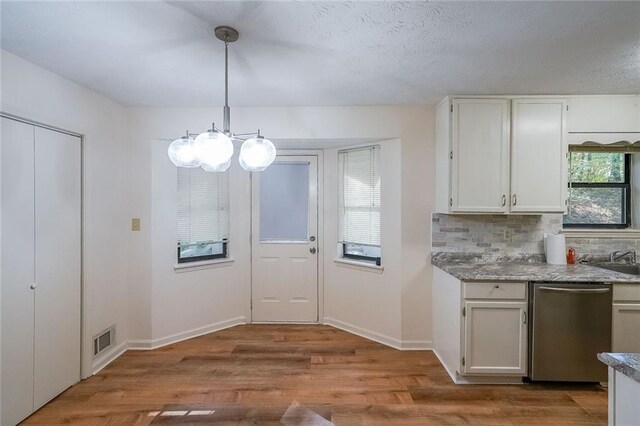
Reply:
x=628, y=364
x=469, y=267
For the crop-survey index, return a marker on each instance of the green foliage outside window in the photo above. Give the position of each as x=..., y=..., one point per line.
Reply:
x=597, y=167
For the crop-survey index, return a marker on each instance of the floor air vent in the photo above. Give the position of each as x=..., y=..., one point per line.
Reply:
x=104, y=340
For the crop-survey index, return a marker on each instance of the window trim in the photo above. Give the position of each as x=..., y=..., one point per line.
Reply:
x=626, y=186
x=223, y=255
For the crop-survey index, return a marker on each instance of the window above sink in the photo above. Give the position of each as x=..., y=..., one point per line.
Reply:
x=599, y=190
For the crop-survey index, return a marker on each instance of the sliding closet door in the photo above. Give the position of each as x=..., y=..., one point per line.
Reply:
x=17, y=271
x=58, y=239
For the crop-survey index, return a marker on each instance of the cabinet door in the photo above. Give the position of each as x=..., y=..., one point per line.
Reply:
x=57, y=297
x=539, y=156
x=626, y=327
x=480, y=151
x=495, y=338
x=17, y=271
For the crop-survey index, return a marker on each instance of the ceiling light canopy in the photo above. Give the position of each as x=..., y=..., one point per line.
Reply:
x=213, y=149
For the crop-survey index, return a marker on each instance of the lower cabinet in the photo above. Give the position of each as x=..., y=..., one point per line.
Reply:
x=626, y=318
x=624, y=399
x=495, y=337
x=480, y=329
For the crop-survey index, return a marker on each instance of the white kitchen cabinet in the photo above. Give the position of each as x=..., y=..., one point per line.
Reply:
x=626, y=318
x=40, y=266
x=604, y=114
x=626, y=327
x=495, y=338
x=487, y=163
x=480, y=329
x=479, y=155
x=539, y=164
x=624, y=399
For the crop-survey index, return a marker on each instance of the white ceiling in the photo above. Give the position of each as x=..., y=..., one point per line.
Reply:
x=330, y=53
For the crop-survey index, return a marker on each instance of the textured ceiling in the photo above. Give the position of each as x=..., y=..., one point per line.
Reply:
x=330, y=53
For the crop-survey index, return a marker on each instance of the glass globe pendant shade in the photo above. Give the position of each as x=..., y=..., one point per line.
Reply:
x=256, y=154
x=214, y=149
x=182, y=153
x=216, y=167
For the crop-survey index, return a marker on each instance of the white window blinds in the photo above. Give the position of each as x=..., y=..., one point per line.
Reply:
x=203, y=206
x=359, y=196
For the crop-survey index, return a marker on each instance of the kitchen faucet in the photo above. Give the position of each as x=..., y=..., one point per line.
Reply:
x=618, y=254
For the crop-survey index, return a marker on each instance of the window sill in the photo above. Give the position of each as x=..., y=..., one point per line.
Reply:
x=204, y=264
x=602, y=233
x=359, y=265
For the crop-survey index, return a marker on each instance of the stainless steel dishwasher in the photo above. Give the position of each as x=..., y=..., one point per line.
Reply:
x=569, y=323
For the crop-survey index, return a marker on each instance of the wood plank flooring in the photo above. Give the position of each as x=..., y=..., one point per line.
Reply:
x=305, y=374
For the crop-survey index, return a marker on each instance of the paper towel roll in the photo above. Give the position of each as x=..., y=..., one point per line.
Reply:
x=555, y=249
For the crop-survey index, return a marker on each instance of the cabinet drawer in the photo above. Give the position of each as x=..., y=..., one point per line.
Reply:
x=626, y=292
x=495, y=290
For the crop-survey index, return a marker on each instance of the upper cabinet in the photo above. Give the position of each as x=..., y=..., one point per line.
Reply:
x=479, y=155
x=538, y=155
x=604, y=114
x=501, y=155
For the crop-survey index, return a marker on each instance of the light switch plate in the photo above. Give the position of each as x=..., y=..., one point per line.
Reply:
x=135, y=224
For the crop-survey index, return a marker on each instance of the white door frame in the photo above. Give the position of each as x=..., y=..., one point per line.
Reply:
x=320, y=243
x=85, y=353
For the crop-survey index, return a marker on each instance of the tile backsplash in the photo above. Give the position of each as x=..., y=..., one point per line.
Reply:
x=514, y=234
x=505, y=234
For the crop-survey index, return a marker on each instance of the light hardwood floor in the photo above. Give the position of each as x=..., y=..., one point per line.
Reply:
x=305, y=374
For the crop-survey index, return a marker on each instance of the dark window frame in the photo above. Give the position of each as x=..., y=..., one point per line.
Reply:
x=376, y=260
x=222, y=255
x=625, y=201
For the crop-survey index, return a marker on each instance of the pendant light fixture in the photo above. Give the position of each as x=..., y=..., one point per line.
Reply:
x=213, y=149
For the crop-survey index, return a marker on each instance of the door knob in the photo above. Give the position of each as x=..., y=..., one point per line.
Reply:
x=312, y=250
x=33, y=286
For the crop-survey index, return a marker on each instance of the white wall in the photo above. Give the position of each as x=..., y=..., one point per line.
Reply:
x=32, y=92
x=167, y=303
x=364, y=300
x=128, y=277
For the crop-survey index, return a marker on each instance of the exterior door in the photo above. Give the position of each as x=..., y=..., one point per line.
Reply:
x=284, y=241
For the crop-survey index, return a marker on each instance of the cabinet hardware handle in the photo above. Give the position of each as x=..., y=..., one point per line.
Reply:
x=576, y=290
x=33, y=286
x=496, y=286
x=504, y=200
x=524, y=317
x=312, y=250
x=514, y=199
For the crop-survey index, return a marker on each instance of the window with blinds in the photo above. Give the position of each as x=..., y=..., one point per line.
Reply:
x=359, y=203
x=203, y=214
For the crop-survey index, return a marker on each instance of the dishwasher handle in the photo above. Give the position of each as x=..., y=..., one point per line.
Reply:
x=577, y=290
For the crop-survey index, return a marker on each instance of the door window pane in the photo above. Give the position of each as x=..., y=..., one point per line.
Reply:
x=284, y=202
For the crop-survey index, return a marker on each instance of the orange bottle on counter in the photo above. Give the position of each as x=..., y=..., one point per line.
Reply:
x=571, y=256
